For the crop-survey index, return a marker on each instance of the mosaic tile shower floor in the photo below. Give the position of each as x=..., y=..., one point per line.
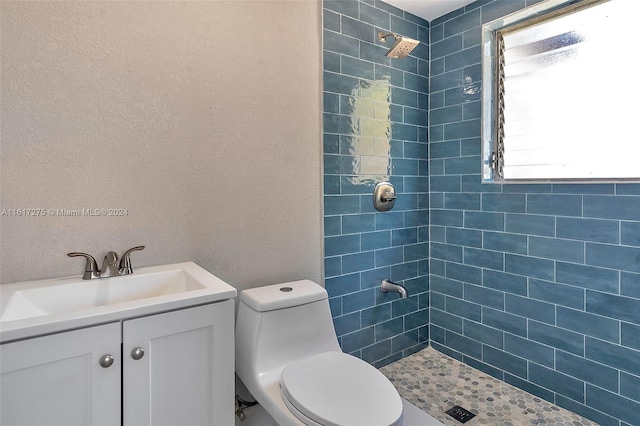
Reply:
x=435, y=382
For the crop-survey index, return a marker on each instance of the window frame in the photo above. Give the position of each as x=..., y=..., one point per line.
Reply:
x=491, y=128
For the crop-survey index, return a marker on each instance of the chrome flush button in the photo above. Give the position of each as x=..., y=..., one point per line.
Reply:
x=384, y=196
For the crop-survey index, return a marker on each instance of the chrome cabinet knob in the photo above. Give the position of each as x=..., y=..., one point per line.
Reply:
x=137, y=353
x=106, y=361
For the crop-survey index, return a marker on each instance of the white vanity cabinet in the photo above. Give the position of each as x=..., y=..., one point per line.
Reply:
x=58, y=380
x=186, y=375
x=171, y=368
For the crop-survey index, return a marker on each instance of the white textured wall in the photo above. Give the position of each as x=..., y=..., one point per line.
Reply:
x=202, y=118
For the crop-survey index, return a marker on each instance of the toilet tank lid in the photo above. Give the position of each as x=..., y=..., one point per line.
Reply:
x=279, y=296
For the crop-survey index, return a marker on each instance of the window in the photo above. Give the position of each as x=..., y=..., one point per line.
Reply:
x=561, y=93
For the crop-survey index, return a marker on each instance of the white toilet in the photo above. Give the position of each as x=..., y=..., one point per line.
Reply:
x=288, y=357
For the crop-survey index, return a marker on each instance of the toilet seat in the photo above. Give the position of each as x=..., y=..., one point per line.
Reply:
x=336, y=389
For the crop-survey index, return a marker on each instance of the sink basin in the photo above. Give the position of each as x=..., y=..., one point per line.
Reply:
x=84, y=294
x=45, y=306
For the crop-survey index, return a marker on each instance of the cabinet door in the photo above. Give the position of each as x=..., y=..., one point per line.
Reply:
x=186, y=375
x=58, y=380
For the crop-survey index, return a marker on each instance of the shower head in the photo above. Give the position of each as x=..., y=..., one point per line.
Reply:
x=401, y=48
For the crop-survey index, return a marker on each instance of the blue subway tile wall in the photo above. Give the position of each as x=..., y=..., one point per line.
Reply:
x=537, y=285
x=375, y=129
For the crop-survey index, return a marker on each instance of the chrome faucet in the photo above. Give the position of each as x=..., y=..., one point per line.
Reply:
x=388, y=286
x=110, y=265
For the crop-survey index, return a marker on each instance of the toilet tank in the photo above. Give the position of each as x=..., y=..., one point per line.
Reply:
x=282, y=323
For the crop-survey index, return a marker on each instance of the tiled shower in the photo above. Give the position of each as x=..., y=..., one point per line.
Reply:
x=375, y=129
x=535, y=284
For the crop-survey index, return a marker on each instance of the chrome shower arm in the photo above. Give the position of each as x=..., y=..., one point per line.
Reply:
x=382, y=35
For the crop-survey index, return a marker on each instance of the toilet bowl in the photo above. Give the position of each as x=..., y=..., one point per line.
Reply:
x=288, y=357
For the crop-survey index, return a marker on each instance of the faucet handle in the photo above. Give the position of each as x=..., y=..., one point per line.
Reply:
x=91, y=270
x=125, y=261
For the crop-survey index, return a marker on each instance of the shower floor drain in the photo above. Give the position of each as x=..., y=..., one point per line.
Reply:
x=460, y=414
